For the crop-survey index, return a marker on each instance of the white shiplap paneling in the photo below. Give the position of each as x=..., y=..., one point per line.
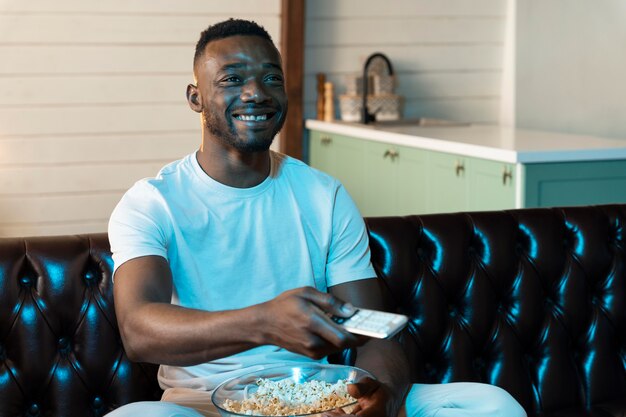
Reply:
x=94, y=148
x=92, y=89
x=448, y=54
x=431, y=84
x=104, y=177
x=407, y=58
x=54, y=209
x=375, y=31
x=251, y=9
x=92, y=99
x=79, y=28
x=104, y=118
x=109, y=60
x=334, y=9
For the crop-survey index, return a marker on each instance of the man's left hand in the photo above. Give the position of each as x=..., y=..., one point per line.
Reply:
x=374, y=400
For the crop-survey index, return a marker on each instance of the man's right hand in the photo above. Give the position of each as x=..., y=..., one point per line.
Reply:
x=298, y=320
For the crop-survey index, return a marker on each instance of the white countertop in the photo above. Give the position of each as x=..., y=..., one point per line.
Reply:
x=486, y=141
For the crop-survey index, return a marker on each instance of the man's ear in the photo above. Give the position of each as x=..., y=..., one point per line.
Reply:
x=193, y=98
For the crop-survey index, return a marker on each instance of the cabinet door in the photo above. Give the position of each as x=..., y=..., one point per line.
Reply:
x=448, y=190
x=491, y=185
x=350, y=166
x=381, y=179
x=413, y=181
x=321, y=155
x=343, y=158
x=396, y=179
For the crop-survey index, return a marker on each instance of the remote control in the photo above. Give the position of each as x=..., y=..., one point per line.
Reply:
x=372, y=323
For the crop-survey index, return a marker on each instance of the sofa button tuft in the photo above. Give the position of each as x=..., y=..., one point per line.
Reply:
x=89, y=276
x=63, y=344
x=33, y=410
x=26, y=281
x=97, y=402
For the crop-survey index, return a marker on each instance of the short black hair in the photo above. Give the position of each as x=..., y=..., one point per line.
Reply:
x=227, y=28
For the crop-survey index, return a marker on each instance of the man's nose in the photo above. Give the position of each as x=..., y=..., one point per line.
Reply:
x=254, y=91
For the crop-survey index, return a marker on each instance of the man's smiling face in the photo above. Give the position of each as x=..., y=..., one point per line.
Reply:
x=241, y=91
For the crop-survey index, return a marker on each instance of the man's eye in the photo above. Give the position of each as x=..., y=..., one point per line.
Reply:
x=231, y=79
x=274, y=78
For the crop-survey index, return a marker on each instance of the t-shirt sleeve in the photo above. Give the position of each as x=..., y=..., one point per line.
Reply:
x=349, y=253
x=136, y=226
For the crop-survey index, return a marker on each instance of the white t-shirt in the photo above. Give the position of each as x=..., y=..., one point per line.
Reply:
x=230, y=248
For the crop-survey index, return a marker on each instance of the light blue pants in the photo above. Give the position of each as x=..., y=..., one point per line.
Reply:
x=458, y=399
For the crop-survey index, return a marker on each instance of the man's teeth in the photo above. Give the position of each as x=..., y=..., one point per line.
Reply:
x=252, y=117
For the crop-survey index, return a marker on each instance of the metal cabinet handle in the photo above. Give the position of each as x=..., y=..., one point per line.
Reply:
x=507, y=174
x=392, y=153
x=459, y=168
x=326, y=140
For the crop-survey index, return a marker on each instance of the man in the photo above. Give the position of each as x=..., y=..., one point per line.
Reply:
x=234, y=257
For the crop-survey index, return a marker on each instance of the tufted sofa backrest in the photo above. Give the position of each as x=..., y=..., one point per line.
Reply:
x=531, y=300
x=60, y=349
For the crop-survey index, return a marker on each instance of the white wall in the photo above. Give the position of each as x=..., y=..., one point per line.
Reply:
x=448, y=54
x=92, y=99
x=571, y=66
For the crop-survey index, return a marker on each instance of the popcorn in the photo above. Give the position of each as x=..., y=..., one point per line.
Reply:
x=286, y=397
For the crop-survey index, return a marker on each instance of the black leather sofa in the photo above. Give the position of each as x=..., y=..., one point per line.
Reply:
x=531, y=300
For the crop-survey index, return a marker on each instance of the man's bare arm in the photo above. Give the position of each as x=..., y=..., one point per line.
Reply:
x=384, y=358
x=153, y=330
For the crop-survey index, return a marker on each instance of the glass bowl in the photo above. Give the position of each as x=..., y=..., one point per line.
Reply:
x=242, y=387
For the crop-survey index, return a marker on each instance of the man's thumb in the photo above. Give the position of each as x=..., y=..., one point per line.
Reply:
x=363, y=387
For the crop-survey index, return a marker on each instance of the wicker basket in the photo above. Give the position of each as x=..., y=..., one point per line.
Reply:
x=384, y=106
x=384, y=84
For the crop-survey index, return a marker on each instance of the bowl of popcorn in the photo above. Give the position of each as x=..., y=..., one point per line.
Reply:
x=309, y=389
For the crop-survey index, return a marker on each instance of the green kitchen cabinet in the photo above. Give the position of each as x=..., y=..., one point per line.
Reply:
x=575, y=183
x=386, y=179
